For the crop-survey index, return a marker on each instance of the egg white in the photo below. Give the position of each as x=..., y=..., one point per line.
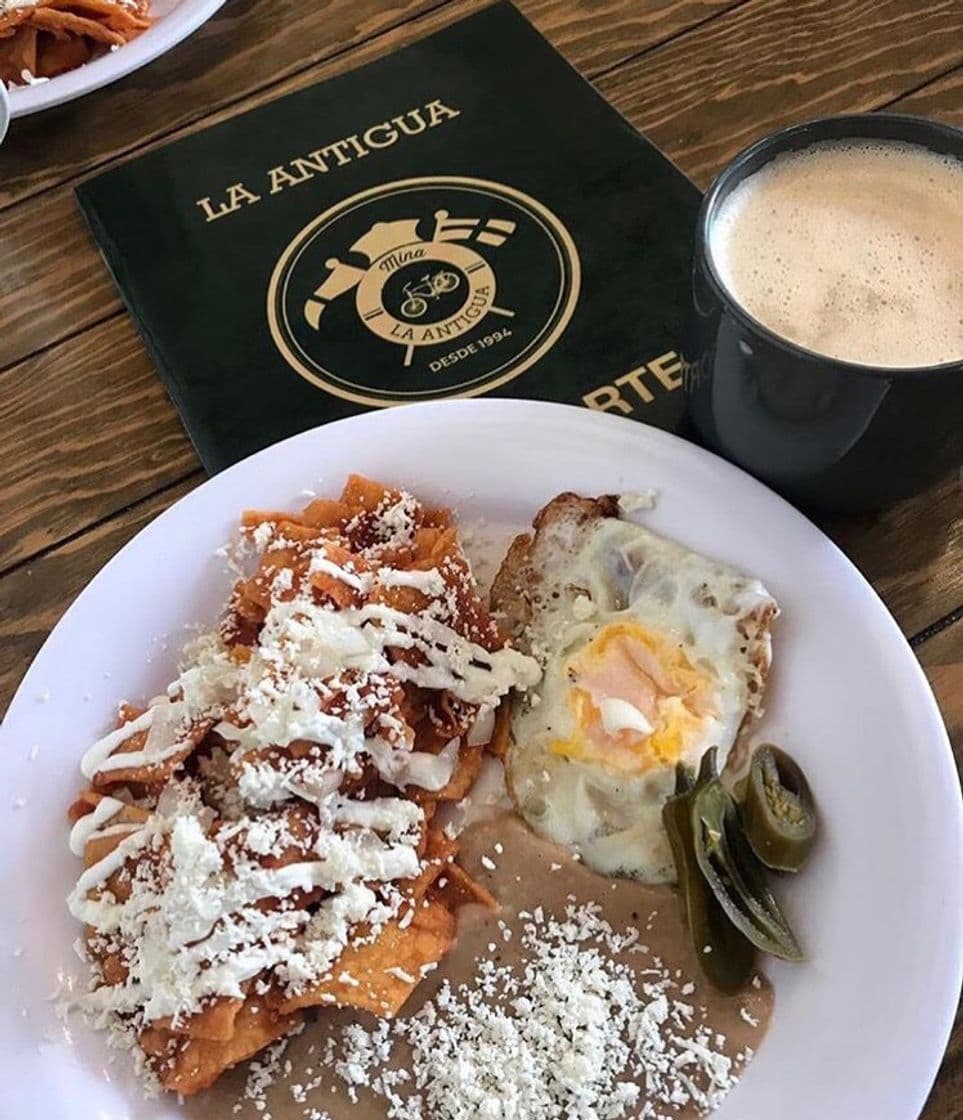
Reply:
x=615, y=573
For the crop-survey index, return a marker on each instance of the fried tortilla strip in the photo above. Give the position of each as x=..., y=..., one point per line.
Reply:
x=456, y=888
x=113, y=966
x=97, y=847
x=326, y=513
x=429, y=806
x=215, y=1023
x=84, y=804
x=452, y=717
x=13, y=18
x=464, y=775
x=381, y=975
x=52, y=36
x=333, y=588
x=153, y=773
x=502, y=735
x=189, y=1066
x=439, y=517
x=250, y=518
x=18, y=52
x=63, y=23
x=362, y=493
x=438, y=854
x=114, y=12
x=127, y=821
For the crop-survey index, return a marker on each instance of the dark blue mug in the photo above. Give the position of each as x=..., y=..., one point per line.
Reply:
x=829, y=434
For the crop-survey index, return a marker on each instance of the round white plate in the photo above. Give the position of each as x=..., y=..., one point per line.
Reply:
x=858, y=1030
x=174, y=20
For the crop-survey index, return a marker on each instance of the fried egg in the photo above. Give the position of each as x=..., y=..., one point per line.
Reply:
x=651, y=654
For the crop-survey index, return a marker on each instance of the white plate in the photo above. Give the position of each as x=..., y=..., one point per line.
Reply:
x=858, y=1030
x=174, y=20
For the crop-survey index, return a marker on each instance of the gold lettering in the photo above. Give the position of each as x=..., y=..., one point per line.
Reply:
x=280, y=178
x=340, y=153
x=335, y=149
x=307, y=165
x=390, y=134
x=210, y=213
x=605, y=398
x=668, y=369
x=360, y=150
x=237, y=194
x=634, y=378
x=420, y=120
x=437, y=112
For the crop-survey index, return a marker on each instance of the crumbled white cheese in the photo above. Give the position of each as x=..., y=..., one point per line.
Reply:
x=263, y=1071
x=571, y=1032
x=262, y=535
x=399, y=974
x=191, y=923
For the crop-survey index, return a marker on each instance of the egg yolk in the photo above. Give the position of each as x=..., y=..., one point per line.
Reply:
x=629, y=663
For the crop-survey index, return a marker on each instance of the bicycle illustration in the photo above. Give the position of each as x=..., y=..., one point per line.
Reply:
x=430, y=286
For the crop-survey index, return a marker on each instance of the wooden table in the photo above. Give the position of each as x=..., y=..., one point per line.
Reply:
x=93, y=447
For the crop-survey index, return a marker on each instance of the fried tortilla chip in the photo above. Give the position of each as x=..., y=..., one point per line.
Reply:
x=456, y=888
x=227, y=785
x=189, y=1066
x=438, y=854
x=216, y=1022
x=18, y=53
x=464, y=775
x=381, y=975
x=502, y=735
x=155, y=772
x=99, y=846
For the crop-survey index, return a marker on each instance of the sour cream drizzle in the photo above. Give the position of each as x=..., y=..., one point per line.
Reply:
x=318, y=641
x=89, y=824
x=188, y=917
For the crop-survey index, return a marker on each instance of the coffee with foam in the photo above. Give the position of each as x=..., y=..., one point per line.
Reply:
x=852, y=249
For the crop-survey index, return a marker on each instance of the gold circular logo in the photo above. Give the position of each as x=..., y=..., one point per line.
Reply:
x=423, y=288
x=447, y=269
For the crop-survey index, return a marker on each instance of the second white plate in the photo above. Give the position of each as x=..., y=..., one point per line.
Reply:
x=174, y=20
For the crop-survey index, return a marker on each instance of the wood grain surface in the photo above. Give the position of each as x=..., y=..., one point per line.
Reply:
x=96, y=447
x=57, y=287
x=226, y=65
x=942, y=99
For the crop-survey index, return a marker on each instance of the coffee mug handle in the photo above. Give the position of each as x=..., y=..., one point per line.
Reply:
x=4, y=111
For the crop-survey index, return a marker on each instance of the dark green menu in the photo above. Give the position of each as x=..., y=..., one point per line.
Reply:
x=466, y=216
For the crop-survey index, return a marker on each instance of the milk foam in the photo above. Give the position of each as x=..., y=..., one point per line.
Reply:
x=853, y=249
